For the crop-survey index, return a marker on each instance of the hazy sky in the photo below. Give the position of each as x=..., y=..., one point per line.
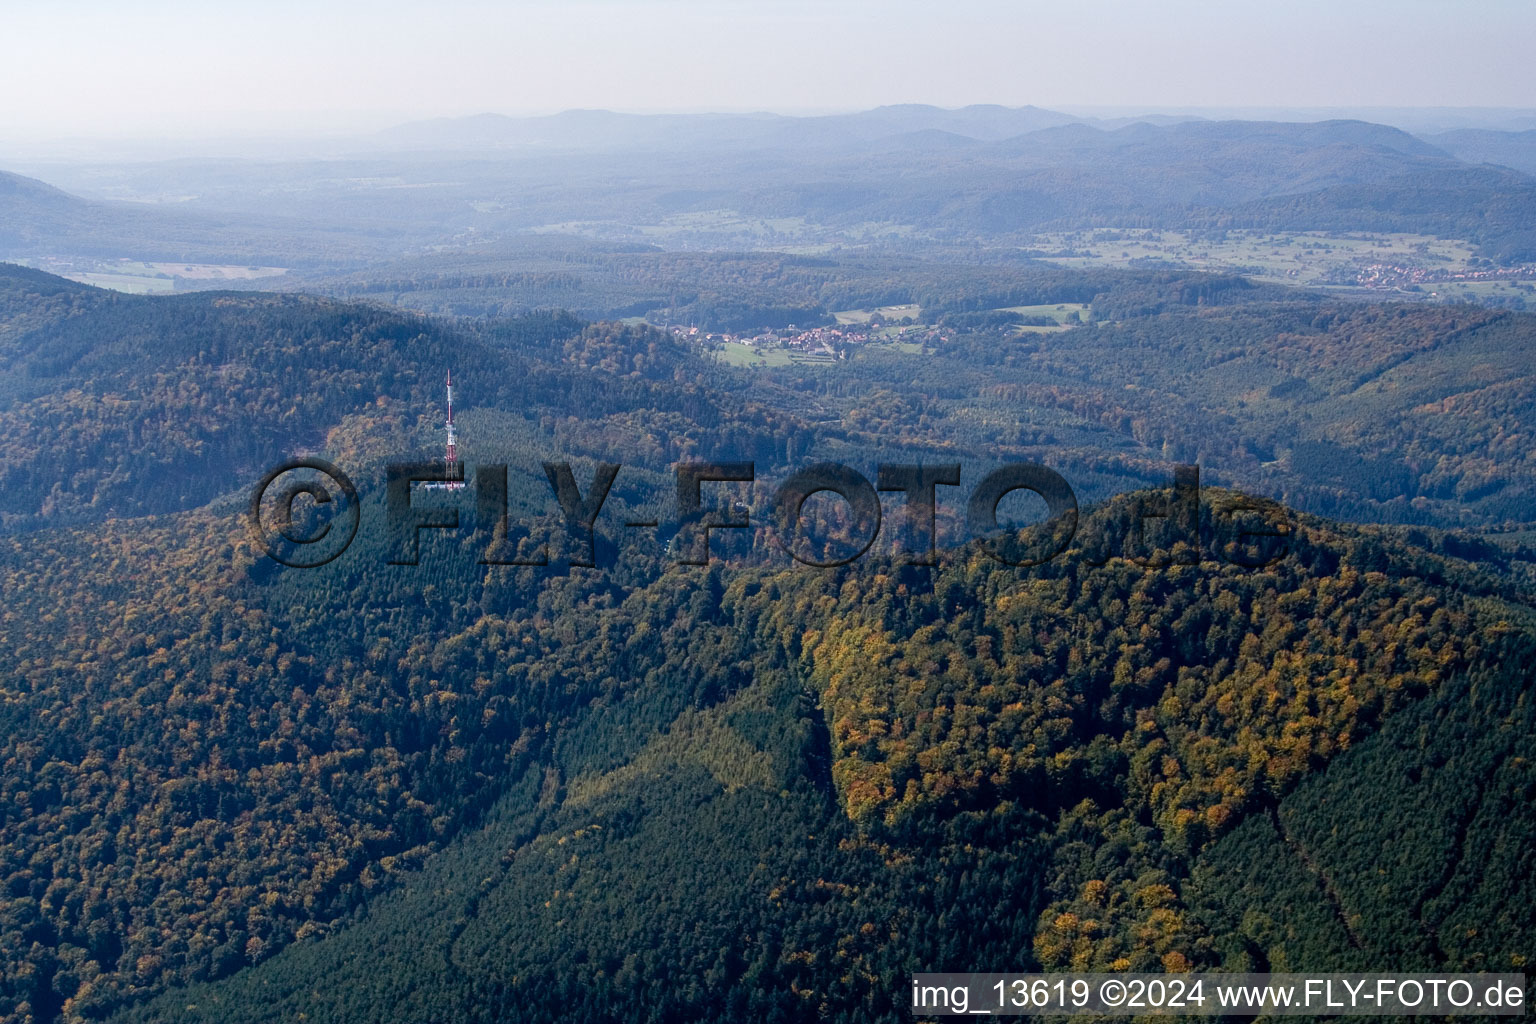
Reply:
x=123, y=67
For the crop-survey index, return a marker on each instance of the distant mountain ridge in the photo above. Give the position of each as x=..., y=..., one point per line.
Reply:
x=1478, y=146
x=604, y=129
x=30, y=208
x=982, y=174
x=37, y=218
x=987, y=123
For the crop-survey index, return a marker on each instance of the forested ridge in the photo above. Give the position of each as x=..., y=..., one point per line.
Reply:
x=205, y=769
x=749, y=790
x=720, y=291
x=152, y=406
x=1395, y=412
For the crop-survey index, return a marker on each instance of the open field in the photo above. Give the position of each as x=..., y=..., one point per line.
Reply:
x=216, y=272
x=890, y=316
x=1064, y=313
x=1480, y=291
x=884, y=313
x=133, y=284
x=1061, y=312
x=1302, y=257
x=735, y=353
x=1311, y=258
x=139, y=278
x=695, y=228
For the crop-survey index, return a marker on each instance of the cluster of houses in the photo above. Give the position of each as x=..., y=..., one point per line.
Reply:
x=815, y=343
x=1395, y=275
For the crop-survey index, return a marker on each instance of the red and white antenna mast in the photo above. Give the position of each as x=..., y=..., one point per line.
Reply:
x=453, y=451
x=452, y=457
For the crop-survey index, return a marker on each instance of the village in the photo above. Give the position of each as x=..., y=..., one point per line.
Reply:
x=899, y=328
x=824, y=344
x=1404, y=275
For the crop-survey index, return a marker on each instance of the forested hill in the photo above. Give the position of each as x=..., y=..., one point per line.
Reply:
x=31, y=211
x=444, y=792
x=1395, y=413
x=161, y=404
x=393, y=793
